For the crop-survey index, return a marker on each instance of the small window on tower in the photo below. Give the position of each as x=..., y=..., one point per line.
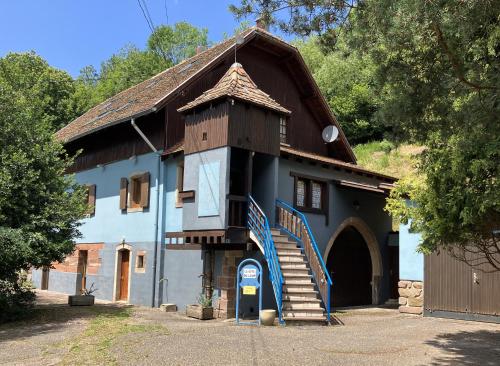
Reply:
x=283, y=130
x=204, y=136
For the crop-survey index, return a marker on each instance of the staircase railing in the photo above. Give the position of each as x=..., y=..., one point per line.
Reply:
x=295, y=223
x=259, y=225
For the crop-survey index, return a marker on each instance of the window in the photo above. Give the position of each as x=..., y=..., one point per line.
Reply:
x=179, y=184
x=140, y=262
x=283, y=130
x=310, y=194
x=134, y=192
x=301, y=193
x=204, y=136
x=316, y=189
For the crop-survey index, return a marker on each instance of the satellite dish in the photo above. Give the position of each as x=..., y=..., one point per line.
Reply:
x=330, y=133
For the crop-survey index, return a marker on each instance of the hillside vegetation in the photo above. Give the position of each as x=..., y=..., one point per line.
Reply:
x=387, y=158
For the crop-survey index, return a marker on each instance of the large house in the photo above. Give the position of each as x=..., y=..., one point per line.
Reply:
x=213, y=161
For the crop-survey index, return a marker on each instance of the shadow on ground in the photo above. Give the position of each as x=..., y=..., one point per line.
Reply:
x=480, y=347
x=48, y=318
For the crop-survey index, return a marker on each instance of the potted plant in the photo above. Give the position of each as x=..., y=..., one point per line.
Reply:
x=84, y=299
x=203, y=310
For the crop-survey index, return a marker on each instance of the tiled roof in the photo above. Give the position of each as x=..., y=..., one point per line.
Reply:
x=145, y=97
x=334, y=162
x=236, y=84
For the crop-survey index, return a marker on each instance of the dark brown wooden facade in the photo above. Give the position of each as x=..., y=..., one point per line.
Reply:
x=232, y=123
x=276, y=70
x=452, y=286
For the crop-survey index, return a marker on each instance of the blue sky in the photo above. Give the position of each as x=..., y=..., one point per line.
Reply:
x=71, y=34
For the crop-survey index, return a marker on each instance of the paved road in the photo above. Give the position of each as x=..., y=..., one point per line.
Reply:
x=366, y=337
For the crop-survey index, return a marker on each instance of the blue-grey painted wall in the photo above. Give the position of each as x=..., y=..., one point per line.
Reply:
x=182, y=284
x=411, y=263
x=110, y=224
x=265, y=174
x=213, y=166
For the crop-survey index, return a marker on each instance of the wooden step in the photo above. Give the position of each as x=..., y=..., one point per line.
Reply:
x=319, y=312
x=297, y=306
x=309, y=292
x=298, y=281
x=301, y=299
x=294, y=266
x=308, y=319
x=299, y=288
x=290, y=252
x=280, y=238
x=290, y=245
x=297, y=274
x=291, y=259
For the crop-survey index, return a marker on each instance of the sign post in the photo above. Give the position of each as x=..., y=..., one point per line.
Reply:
x=249, y=281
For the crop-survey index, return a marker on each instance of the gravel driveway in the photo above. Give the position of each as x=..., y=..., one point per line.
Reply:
x=373, y=336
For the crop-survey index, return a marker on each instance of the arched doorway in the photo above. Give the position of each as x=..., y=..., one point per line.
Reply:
x=350, y=267
x=353, y=258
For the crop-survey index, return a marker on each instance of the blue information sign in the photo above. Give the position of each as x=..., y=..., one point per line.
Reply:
x=249, y=281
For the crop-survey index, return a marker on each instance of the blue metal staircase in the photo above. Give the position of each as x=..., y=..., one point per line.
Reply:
x=296, y=270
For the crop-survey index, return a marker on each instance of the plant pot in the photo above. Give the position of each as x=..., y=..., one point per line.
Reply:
x=267, y=316
x=81, y=300
x=200, y=312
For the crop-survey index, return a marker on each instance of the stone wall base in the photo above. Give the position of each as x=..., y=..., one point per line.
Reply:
x=411, y=297
x=226, y=307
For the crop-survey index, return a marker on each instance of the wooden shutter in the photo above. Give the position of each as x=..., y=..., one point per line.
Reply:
x=145, y=190
x=91, y=194
x=123, y=193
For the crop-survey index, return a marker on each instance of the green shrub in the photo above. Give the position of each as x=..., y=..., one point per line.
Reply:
x=16, y=299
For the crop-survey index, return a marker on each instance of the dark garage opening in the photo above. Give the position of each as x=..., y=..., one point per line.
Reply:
x=350, y=266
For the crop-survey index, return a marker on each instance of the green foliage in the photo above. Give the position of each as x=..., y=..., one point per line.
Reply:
x=346, y=79
x=204, y=300
x=436, y=70
x=387, y=158
x=167, y=46
x=16, y=299
x=39, y=205
x=30, y=75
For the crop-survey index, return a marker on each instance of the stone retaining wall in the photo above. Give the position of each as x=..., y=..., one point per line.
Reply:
x=411, y=297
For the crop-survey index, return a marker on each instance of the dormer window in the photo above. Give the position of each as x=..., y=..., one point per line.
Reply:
x=283, y=130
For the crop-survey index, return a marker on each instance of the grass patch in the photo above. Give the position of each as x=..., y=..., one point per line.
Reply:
x=386, y=158
x=93, y=346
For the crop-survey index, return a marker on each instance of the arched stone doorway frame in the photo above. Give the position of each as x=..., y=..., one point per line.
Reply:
x=373, y=247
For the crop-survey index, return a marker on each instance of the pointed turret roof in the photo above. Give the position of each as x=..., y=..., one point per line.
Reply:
x=238, y=85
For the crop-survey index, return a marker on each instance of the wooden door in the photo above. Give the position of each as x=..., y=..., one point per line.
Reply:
x=124, y=268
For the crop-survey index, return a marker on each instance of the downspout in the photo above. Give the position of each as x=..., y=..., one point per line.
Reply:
x=157, y=210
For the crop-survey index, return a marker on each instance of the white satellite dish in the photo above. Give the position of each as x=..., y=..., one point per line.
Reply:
x=330, y=133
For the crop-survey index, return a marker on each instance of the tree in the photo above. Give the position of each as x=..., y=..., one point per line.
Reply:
x=167, y=46
x=347, y=80
x=437, y=69
x=40, y=206
x=30, y=75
